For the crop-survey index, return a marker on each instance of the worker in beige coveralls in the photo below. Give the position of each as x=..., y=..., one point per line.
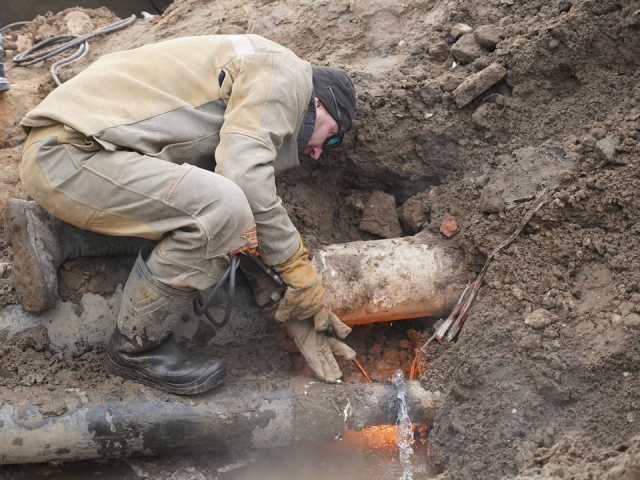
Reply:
x=178, y=142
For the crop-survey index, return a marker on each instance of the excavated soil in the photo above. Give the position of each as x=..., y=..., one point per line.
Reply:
x=542, y=382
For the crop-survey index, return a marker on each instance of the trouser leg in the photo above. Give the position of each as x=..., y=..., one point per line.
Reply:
x=197, y=215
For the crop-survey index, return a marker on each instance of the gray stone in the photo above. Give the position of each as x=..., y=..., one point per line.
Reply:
x=632, y=321
x=439, y=51
x=482, y=116
x=564, y=6
x=414, y=212
x=607, y=148
x=538, y=319
x=466, y=49
x=78, y=23
x=451, y=80
x=380, y=216
x=430, y=93
x=460, y=29
x=481, y=63
x=478, y=83
x=5, y=269
x=23, y=43
x=491, y=200
x=598, y=133
x=488, y=36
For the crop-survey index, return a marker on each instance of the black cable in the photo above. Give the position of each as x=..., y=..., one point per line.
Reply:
x=27, y=58
x=202, y=308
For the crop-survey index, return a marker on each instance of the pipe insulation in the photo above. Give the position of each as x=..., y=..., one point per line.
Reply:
x=243, y=414
x=386, y=280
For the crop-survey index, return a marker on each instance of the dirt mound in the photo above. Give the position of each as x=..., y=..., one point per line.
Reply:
x=470, y=122
x=575, y=457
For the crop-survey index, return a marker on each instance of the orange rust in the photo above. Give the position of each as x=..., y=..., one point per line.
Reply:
x=361, y=368
x=369, y=313
x=412, y=372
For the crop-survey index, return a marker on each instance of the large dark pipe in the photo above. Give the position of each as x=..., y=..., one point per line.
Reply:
x=243, y=415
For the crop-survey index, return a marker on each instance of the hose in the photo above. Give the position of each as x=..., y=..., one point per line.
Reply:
x=27, y=57
x=201, y=307
x=2, y=29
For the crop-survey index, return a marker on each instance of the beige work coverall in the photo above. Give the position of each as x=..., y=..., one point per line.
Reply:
x=155, y=142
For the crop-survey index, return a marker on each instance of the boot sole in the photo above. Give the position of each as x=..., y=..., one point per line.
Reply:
x=35, y=290
x=197, y=386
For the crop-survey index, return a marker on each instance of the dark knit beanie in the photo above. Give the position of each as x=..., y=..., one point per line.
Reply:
x=343, y=89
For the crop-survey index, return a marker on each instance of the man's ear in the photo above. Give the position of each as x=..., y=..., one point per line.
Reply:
x=318, y=103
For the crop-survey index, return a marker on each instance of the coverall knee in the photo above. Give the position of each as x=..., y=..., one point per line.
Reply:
x=197, y=215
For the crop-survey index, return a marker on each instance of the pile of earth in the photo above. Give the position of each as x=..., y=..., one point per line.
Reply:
x=466, y=110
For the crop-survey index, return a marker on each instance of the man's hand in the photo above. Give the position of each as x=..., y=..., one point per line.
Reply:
x=319, y=349
x=304, y=296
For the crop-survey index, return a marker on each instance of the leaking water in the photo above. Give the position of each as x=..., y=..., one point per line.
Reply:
x=405, y=429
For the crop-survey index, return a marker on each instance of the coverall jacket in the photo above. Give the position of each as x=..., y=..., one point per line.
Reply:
x=130, y=146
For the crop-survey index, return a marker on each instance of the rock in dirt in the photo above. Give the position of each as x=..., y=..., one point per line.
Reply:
x=539, y=319
x=5, y=269
x=23, y=43
x=478, y=83
x=632, y=321
x=78, y=23
x=460, y=29
x=607, y=148
x=430, y=93
x=488, y=36
x=439, y=51
x=564, y=6
x=491, y=200
x=466, y=49
x=452, y=80
x=414, y=212
x=380, y=216
x=449, y=226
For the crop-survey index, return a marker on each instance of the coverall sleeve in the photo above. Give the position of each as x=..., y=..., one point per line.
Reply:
x=265, y=103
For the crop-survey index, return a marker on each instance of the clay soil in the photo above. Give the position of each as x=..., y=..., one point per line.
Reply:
x=543, y=381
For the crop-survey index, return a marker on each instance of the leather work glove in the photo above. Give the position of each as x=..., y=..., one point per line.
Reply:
x=319, y=349
x=305, y=296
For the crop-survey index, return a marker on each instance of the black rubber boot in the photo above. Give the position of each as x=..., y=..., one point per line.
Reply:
x=164, y=365
x=41, y=243
x=142, y=348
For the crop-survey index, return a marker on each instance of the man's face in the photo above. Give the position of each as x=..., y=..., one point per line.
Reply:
x=325, y=128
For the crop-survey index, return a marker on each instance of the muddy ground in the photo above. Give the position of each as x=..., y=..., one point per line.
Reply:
x=543, y=380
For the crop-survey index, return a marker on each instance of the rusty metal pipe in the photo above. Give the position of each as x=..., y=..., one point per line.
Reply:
x=244, y=414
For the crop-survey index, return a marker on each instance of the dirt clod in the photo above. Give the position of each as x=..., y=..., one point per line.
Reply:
x=380, y=216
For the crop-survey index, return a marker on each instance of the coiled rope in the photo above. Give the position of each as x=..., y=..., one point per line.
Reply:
x=28, y=57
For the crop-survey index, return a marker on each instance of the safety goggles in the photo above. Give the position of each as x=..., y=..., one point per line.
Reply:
x=336, y=140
